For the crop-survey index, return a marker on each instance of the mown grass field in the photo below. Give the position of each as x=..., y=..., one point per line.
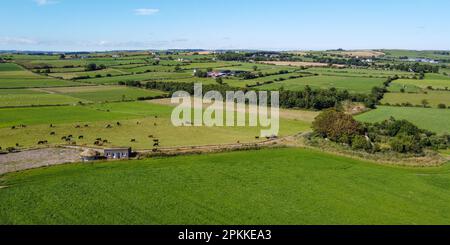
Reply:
x=353, y=84
x=278, y=186
x=105, y=93
x=74, y=75
x=434, y=98
x=14, y=76
x=138, y=77
x=436, y=120
x=11, y=100
x=138, y=120
x=436, y=81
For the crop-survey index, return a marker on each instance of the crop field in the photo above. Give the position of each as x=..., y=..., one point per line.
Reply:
x=353, y=84
x=434, y=98
x=436, y=120
x=279, y=186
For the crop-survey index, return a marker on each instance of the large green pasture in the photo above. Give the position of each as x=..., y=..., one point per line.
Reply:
x=436, y=120
x=138, y=120
x=278, y=186
x=434, y=98
x=107, y=93
x=437, y=81
x=13, y=76
x=353, y=84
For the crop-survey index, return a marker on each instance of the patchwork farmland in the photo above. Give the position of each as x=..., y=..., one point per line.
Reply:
x=76, y=102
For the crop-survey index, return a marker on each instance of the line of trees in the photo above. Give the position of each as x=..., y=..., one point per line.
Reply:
x=308, y=98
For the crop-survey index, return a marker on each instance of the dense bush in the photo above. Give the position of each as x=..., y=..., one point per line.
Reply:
x=398, y=135
x=337, y=126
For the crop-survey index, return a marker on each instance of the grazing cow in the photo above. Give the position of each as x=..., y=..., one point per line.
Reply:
x=238, y=142
x=17, y=144
x=68, y=139
x=118, y=124
x=51, y=125
x=105, y=141
x=52, y=133
x=86, y=125
x=13, y=127
x=155, y=124
x=133, y=140
x=63, y=138
x=80, y=137
x=108, y=126
x=156, y=144
x=154, y=150
x=156, y=140
x=70, y=136
x=257, y=137
x=138, y=123
x=99, y=139
x=156, y=117
x=78, y=126
x=150, y=136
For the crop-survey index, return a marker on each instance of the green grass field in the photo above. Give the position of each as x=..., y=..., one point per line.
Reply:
x=98, y=116
x=10, y=100
x=13, y=76
x=353, y=84
x=9, y=67
x=138, y=77
x=436, y=81
x=432, y=97
x=279, y=186
x=436, y=120
x=74, y=75
x=105, y=93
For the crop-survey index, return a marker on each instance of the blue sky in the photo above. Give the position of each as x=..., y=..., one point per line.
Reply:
x=85, y=25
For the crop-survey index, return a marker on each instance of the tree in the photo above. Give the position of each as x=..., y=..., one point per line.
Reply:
x=335, y=125
x=425, y=103
x=255, y=68
x=442, y=106
x=62, y=56
x=177, y=68
x=91, y=67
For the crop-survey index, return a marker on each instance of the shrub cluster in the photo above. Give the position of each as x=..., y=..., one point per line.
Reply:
x=390, y=135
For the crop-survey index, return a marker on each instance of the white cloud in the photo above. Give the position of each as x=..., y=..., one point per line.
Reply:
x=44, y=2
x=144, y=11
x=17, y=41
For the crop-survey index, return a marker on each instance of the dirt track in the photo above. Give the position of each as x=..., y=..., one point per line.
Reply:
x=14, y=162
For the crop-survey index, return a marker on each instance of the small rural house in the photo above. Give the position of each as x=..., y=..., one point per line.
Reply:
x=118, y=153
x=89, y=155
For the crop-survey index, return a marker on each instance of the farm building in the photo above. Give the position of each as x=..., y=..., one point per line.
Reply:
x=89, y=155
x=118, y=153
